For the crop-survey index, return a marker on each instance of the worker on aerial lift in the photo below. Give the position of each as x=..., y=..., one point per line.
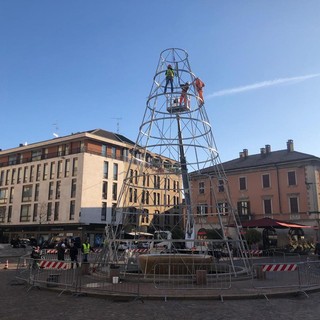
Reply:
x=183, y=97
x=169, y=78
x=199, y=86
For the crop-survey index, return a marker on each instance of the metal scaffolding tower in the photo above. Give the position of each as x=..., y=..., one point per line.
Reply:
x=175, y=144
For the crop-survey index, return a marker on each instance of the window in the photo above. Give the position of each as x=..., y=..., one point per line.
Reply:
x=243, y=183
x=50, y=193
x=105, y=170
x=114, y=191
x=113, y=152
x=25, y=213
x=26, y=193
x=3, y=195
x=9, y=214
x=220, y=185
x=154, y=198
x=104, y=190
x=35, y=212
x=25, y=174
x=104, y=150
x=223, y=207
x=58, y=187
x=56, y=211
x=202, y=209
x=2, y=213
x=243, y=207
x=67, y=168
x=135, y=195
x=74, y=167
x=135, y=176
x=104, y=211
x=130, y=195
x=8, y=177
x=145, y=216
x=19, y=175
x=31, y=173
x=45, y=171
x=52, y=170
x=201, y=187
x=36, y=155
x=49, y=211
x=12, y=159
x=294, y=204
x=1, y=177
x=115, y=171
x=292, y=178
x=36, y=192
x=38, y=176
x=59, y=171
x=72, y=210
x=13, y=176
x=267, y=206
x=266, y=181
x=73, y=188
x=11, y=195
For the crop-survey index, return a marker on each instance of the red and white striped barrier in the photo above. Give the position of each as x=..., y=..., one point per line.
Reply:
x=138, y=250
x=254, y=252
x=279, y=267
x=54, y=251
x=51, y=251
x=44, y=264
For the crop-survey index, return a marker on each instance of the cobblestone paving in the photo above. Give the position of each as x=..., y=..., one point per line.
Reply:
x=19, y=303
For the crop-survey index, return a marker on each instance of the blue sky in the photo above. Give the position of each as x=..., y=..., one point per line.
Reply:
x=70, y=66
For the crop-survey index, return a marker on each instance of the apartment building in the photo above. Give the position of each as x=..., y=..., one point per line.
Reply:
x=283, y=184
x=67, y=186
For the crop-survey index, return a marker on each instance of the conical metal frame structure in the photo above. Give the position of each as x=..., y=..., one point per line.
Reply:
x=175, y=143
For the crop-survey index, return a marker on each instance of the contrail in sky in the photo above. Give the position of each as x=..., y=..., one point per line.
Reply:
x=262, y=84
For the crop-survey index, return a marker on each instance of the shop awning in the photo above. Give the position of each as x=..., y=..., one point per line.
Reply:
x=272, y=223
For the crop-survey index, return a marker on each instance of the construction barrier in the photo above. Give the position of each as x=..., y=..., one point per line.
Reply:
x=286, y=275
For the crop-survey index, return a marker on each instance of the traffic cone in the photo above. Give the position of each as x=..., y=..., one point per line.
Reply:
x=6, y=266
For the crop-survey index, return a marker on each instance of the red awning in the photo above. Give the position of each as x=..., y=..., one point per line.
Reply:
x=271, y=223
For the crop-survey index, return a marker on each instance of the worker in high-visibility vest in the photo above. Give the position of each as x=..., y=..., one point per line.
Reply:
x=169, y=78
x=86, y=248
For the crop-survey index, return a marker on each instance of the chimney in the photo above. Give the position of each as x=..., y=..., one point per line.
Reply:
x=245, y=153
x=241, y=155
x=268, y=148
x=290, y=147
x=263, y=151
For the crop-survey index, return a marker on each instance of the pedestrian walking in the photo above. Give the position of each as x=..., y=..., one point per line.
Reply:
x=36, y=256
x=74, y=255
x=61, y=250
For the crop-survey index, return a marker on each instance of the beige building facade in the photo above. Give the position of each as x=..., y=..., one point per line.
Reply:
x=67, y=186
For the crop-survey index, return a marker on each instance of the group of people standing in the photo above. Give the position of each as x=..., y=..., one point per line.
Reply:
x=198, y=83
x=73, y=249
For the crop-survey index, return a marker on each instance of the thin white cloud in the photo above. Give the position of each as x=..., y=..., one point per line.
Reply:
x=260, y=85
